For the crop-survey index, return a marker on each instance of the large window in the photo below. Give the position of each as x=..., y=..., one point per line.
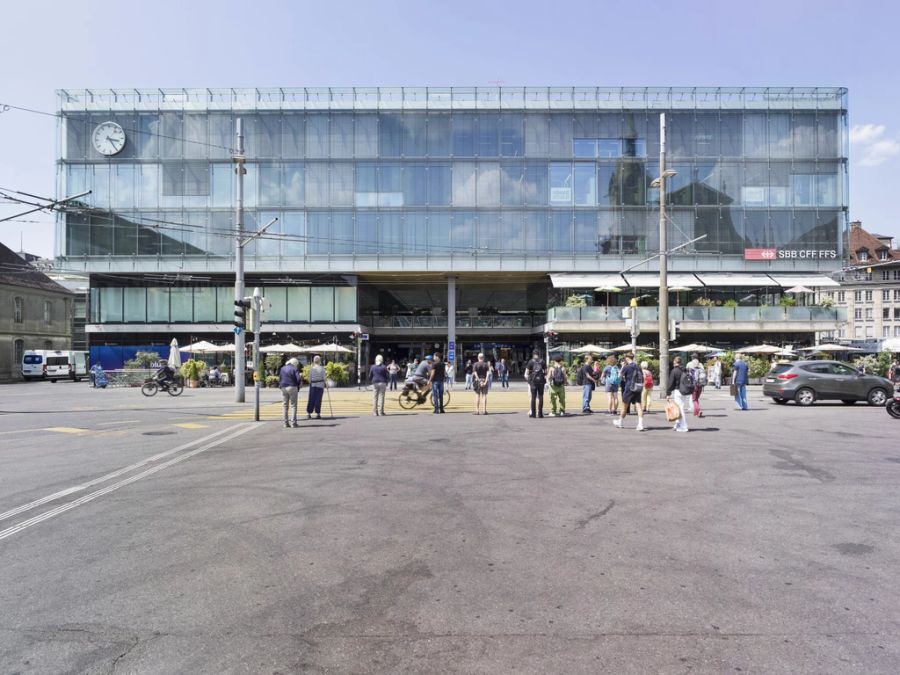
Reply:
x=18, y=309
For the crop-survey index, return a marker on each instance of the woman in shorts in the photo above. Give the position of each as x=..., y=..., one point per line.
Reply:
x=610, y=378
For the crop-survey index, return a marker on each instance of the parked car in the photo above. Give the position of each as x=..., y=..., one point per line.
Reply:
x=54, y=364
x=806, y=382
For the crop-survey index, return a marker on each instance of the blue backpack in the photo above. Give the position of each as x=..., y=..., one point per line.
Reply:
x=613, y=378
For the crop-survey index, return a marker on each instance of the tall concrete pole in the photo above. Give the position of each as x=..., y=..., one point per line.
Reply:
x=451, y=321
x=663, y=265
x=240, y=360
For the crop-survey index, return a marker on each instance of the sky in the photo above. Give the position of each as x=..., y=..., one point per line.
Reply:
x=52, y=45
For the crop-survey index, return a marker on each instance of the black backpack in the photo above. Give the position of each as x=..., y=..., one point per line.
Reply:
x=686, y=383
x=579, y=376
x=537, y=372
x=559, y=376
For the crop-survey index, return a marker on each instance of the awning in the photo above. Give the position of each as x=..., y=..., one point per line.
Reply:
x=798, y=280
x=724, y=280
x=590, y=281
x=651, y=280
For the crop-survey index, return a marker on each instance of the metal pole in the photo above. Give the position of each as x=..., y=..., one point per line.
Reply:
x=240, y=359
x=257, y=329
x=663, y=265
x=358, y=361
x=451, y=323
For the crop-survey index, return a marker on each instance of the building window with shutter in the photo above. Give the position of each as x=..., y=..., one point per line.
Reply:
x=18, y=309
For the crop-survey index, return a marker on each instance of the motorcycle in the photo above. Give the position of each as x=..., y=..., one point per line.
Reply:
x=893, y=404
x=172, y=387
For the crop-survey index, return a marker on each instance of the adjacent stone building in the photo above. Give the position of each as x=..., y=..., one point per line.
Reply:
x=35, y=313
x=870, y=287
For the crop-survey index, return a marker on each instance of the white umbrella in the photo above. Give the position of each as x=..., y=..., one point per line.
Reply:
x=291, y=348
x=891, y=345
x=608, y=290
x=590, y=349
x=174, y=354
x=830, y=348
x=760, y=349
x=799, y=289
x=627, y=348
x=332, y=348
x=272, y=349
x=700, y=349
x=201, y=347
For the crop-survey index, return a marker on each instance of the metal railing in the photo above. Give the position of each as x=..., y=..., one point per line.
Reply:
x=724, y=314
x=426, y=321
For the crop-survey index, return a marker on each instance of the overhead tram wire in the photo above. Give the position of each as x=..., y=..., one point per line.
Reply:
x=10, y=106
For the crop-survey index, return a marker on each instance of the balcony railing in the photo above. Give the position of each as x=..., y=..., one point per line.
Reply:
x=726, y=314
x=426, y=321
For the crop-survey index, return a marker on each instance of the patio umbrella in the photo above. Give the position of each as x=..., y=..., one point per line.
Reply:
x=677, y=290
x=291, y=348
x=759, y=349
x=608, y=290
x=174, y=354
x=700, y=349
x=827, y=348
x=272, y=349
x=799, y=289
x=201, y=347
x=332, y=348
x=589, y=349
x=627, y=348
x=891, y=345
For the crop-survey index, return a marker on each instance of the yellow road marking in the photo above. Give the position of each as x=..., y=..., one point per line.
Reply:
x=191, y=425
x=65, y=430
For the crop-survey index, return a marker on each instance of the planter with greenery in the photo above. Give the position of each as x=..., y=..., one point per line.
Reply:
x=142, y=360
x=787, y=301
x=190, y=371
x=271, y=381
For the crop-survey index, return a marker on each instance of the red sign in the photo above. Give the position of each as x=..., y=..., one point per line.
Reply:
x=760, y=253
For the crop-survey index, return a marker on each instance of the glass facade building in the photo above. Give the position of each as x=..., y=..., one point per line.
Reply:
x=450, y=180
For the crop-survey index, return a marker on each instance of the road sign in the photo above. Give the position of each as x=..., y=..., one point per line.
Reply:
x=364, y=336
x=451, y=346
x=237, y=330
x=451, y=355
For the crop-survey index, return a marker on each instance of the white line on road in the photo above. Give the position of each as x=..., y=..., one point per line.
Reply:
x=115, y=474
x=68, y=506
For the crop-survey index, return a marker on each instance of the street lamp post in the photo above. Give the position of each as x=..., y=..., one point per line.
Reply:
x=663, y=262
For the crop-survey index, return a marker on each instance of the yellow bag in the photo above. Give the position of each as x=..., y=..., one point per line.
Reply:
x=673, y=412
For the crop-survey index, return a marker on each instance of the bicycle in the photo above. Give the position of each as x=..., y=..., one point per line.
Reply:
x=151, y=387
x=410, y=398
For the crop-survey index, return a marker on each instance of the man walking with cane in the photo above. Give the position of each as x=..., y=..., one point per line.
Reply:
x=289, y=382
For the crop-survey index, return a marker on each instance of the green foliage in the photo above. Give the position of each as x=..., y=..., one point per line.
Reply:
x=143, y=360
x=758, y=367
x=273, y=361
x=826, y=301
x=271, y=381
x=875, y=364
x=576, y=301
x=337, y=372
x=787, y=301
x=731, y=302
x=652, y=363
x=727, y=359
x=191, y=369
x=703, y=302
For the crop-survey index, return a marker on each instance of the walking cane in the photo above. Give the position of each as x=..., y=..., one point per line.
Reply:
x=328, y=393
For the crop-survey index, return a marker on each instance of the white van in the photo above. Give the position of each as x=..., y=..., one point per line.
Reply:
x=49, y=364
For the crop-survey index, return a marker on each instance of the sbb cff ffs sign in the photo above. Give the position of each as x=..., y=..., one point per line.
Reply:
x=784, y=254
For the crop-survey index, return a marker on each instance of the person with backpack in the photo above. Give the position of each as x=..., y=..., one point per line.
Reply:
x=648, y=386
x=587, y=381
x=632, y=386
x=536, y=376
x=611, y=379
x=894, y=371
x=558, y=381
x=678, y=389
x=698, y=374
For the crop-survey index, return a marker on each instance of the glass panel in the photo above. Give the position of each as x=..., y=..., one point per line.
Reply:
x=298, y=304
x=340, y=134
x=802, y=186
x=560, y=184
x=513, y=232
x=293, y=187
x=536, y=185
x=586, y=232
x=755, y=188
x=585, y=184
x=125, y=235
x=463, y=184
x=827, y=145
x=171, y=133
x=222, y=182
x=804, y=135
x=488, y=135
x=322, y=303
x=224, y=304
x=609, y=190
x=135, y=301
x=439, y=138
x=342, y=232
x=318, y=228
x=730, y=134
x=182, y=304
x=390, y=135
x=294, y=229
x=293, y=131
x=779, y=182
x=390, y=233
x=195, y=138
x=537, y=142
x=512, y=184
x=584, y=147
x=158, y=305
x=439, y=184
x=147, y=137
x=755, y=141
x=415, y=231
x=317, y=135
x=462, y=231
x=489, y=230
x=414, y=138
x=269, y=184
x=317, y=184
x=390, y=185
x=463, y=135
x=826, y=190
x=341, y=184
x=110, y=304
x=123, y=196
x=488, y=187
x=779, y=135
x=560, y=134
x=205, y=304
x=365, y=136
x=345, y=303
x=561, y=231
x=512, y=137
x=415, y=185
x=277, y=298
x=634, y=183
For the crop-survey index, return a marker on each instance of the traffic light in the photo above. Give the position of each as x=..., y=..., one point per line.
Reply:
x=240, y=312
x=674, y=327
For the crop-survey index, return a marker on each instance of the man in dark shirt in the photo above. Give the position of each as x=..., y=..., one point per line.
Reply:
x=479, y=383
x=436, y=378
x=536, y=376
x=739, y=379
x=632, y=384
x=379, y=376
x=588, y=384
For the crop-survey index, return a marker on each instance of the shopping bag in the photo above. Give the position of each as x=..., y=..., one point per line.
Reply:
x=732, y=389
x=672, y=412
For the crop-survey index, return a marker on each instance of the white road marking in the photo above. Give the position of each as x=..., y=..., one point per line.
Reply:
x=115, y=474
x=68, y=506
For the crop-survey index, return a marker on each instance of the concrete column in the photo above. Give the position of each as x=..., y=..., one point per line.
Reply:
x=451, y=319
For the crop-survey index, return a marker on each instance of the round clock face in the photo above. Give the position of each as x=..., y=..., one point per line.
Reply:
x=108, y=138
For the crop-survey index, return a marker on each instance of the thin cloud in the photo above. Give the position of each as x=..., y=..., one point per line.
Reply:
x=872, y=145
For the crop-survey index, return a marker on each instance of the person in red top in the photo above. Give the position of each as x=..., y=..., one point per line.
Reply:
x=648, y=386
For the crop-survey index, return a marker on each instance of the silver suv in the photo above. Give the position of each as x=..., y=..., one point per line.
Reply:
x=806, y=382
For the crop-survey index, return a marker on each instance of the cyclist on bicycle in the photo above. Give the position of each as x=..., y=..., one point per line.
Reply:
x=419, y=379
x=165, y=374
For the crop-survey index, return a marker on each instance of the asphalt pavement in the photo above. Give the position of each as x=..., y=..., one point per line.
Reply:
x=177, y=535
